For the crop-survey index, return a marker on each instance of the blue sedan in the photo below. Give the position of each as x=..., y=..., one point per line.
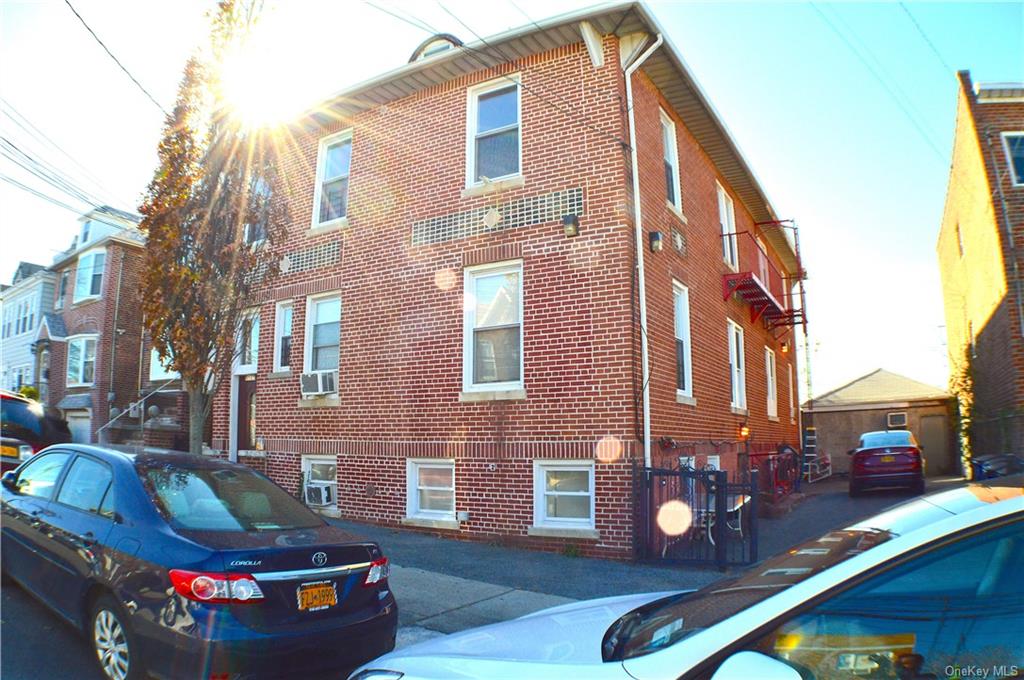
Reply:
x=187, y=567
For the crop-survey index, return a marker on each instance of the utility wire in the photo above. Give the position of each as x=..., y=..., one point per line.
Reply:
x=39, y=194
x=523, y=12
x=935, y=51
x=116, y=60
x=49, y=175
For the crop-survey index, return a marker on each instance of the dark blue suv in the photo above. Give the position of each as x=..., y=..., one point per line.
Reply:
x=188, y=567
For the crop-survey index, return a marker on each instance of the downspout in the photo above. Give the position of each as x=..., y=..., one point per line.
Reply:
x=111, y=396
x=645, y=369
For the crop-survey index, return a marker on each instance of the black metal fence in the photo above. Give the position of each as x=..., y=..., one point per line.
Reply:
x=695, y=516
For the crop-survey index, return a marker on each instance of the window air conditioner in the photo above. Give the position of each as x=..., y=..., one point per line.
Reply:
x=319, y=495
x=317, y=383
x=897, y=420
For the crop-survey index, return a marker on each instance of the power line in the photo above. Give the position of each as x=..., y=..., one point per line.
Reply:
x=924, y=35
x=48, y=174
x=39, y=194
x=523, y=12
x=116, y=61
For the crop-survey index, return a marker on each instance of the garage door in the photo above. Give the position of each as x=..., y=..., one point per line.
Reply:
x=935, y=440
x=80, y=425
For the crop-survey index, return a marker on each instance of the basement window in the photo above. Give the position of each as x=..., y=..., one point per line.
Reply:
x=431, y=489
x=563, y=494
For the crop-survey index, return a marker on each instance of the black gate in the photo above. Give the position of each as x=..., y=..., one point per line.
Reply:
x=695, y=516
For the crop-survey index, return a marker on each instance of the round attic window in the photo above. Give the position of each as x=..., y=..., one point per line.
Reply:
x=435, y=44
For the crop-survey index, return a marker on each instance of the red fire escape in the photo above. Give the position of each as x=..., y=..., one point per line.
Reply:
x=759, y=283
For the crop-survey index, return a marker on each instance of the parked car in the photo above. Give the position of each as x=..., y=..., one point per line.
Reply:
x=998, y=465
x=26, y=426
x=891, y=458
x=191, y=567
x=905, y=594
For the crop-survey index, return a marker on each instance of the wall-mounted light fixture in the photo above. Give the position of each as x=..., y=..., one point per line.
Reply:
x=657, y=241
x=571, y=225
x=744, y=432
x=785, y=346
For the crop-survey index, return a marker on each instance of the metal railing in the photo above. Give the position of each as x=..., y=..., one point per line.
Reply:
x=751, y=255
x=101, y=432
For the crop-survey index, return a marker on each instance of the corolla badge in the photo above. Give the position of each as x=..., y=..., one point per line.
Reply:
x=319, y=558
x=246, y=563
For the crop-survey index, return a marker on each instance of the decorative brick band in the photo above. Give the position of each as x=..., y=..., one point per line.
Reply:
x=610, y=447
x=516, y=213
x=507, y=251
x=308, y=288
x=315, y=257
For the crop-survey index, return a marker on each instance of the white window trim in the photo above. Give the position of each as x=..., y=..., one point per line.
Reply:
x=737, y=370
x=678, y=288
x=771, y=383
x=307, y=464
x=1017, y=181
x=307, y=333
x=83, y=338
x=672, y=151
x=278, y=314
x=412, y=509
x=472, y=95
x=162, y=373
x=321, y=167
x=468, y=324
x=540, y=518
x=727, y=222
x=248, y=369
x=78, y=270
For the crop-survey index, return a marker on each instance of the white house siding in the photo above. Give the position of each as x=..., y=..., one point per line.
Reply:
x=16, y=348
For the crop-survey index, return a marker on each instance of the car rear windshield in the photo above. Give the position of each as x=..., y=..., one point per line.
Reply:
x=885, y=439
x=223, y=499
x=21, y=418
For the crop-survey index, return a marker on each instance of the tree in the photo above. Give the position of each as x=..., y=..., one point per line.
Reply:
x=212, y=221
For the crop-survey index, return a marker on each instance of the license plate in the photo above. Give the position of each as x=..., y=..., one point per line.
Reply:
x=316, y=596
x=888, y=459
x=11, y=451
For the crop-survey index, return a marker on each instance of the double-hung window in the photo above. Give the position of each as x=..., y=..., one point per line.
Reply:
x=62, y=289
x=671, y=162
x=772, y=382
x=727, y=221
x=81, y=368
x=255, y=232
x=323, y=332
x=563, y=494
x=493, y=338
x=737, y=366
x=493, y=131
x=89, y=275
x=684, y=370
x=283, y=337
x=334, y=160
x=430, y=489
x=249, y=343
x=1014, y=142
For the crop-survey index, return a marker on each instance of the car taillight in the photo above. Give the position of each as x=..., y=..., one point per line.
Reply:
x=215, y=588
x=25, y=451
x=379, y=571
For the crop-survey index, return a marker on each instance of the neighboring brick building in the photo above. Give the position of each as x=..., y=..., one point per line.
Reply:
x=980, y=250
x=480, y=340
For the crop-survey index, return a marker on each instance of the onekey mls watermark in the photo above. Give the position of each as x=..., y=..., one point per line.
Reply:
x=968, y=671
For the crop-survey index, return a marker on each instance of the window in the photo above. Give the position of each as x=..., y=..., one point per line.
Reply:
x=1014, y=142
x=283, y=336
x=737, y=366
x=249, y=343
x=792, y=395
x=431, y=489
x=323, y=332
x=671, y=161
x=493, y=341
x=81, y=360
x=684, y=371
x=256, y=233
x=89, y=275
x=86, y=485
x=62, y=289
x=563, y=494
x=39, y=477
x=334, y=160
x=727, y=220
x=493, y=148
x=158, y=368
x=772, y=382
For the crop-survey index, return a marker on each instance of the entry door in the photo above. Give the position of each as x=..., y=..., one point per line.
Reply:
x=935, y=440
x=80, y=425
x=246, y=413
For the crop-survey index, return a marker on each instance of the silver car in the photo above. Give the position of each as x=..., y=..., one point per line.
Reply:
x=931, y=588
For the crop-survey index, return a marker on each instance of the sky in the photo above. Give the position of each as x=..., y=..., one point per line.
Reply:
x=845, y=112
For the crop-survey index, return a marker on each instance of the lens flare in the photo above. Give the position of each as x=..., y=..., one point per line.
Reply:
x=444, y=279
x=674, y=518
x=609, y=449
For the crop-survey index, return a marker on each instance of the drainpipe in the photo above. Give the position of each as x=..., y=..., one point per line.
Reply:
x=111, y=395
x=638, y=226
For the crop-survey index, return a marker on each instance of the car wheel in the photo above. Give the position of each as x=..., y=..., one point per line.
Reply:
x=113, y=641
x=854, y=490
x=918, y=488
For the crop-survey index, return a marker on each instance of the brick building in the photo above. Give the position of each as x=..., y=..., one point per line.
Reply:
x=455, y=339
x=980, y=260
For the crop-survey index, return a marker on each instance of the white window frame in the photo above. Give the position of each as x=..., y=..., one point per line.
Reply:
x=792, y=400
x=84, y=339
x=540, y=518
x=470, y=275
x=412, y=488
x=241, y=368
x=671, y=154
x=307, y=344
x=321, y=168
x=681, y=327
x=771, y=382
x=279, y=309
x=472, y=97
x=1017, y=181
x=727, y=222
x=92, y=254
x=737, y=366
x=307, y=465
x=157, y=370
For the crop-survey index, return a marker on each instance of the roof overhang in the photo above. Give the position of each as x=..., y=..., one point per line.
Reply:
x=139, y=242
x=876, y=405
x=665, y=67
